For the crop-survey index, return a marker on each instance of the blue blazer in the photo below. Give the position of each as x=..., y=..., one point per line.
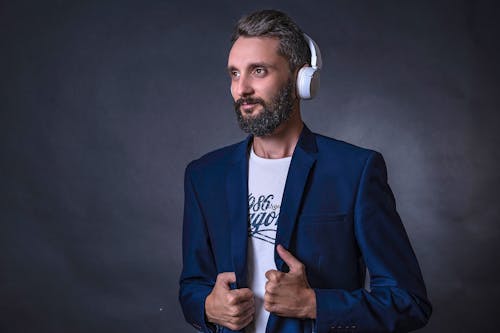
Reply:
x=338, y=217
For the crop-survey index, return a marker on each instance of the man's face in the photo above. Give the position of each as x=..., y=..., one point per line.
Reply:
x=262, y=85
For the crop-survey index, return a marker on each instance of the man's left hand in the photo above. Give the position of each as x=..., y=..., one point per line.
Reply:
x=289, y=294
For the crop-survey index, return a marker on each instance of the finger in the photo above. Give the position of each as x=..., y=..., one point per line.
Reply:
x=242, y=295
x=268, y=306
x=270, y=288
x=226, y=278
x=237, y=323
x=292, y=262
x=240, y=309
x=269, y=298
x=247, y=319
x=269, y=302
x=235, y=297
x=273, y=275
x=245, y=308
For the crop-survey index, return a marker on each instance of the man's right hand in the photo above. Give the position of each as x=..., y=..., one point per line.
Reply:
x=233, y=309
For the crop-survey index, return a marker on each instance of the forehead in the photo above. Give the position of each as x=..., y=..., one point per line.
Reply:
x=252, y=50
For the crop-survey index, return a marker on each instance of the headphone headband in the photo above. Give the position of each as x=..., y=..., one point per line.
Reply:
x=315, y=52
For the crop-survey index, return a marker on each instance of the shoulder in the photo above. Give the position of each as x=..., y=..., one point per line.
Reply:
x=337, y=157
x=343, y=151
x=215, y=160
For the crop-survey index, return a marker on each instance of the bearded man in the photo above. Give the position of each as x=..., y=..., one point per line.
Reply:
x=281, y=228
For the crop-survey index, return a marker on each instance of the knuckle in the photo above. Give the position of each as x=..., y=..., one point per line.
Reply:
x=230, y=298
x=274, y=277
x=242, y=309
x=234, y=311
x=246, y=294
x=220, y=277
x=238, y=323
x=268, y=306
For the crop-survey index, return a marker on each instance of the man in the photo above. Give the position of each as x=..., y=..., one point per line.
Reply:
x=280, y=228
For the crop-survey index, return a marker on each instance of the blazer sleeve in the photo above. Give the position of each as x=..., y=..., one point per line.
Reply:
x=199, y=270
x=397, y=300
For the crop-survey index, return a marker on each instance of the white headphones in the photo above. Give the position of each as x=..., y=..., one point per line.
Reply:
x=308, y=77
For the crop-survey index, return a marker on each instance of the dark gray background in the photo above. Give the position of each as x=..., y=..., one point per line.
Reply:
x=104, y=103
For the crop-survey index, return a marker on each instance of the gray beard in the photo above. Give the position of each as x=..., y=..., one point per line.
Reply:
x=273, y=114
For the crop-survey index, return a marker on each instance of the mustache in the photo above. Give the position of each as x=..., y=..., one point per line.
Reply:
x=249, y=100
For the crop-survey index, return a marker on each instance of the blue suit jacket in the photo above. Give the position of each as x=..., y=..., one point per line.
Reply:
x=338, y=214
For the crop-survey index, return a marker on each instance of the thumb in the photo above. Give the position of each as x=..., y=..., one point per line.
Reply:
x=293, y=263
x=224, y=279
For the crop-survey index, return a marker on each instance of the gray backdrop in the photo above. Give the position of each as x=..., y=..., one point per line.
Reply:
x=103, y=103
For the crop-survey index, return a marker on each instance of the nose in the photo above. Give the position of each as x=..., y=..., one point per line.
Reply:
x=242, y=87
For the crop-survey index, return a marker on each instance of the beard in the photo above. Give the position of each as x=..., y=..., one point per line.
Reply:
x=273, y=114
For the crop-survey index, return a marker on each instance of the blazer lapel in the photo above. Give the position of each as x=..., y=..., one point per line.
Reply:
x=302, y=162
x=237, y=200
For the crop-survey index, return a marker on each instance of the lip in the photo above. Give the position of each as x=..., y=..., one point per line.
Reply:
x=248, y=106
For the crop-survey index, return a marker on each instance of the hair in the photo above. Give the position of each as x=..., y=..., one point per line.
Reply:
x=272, y=23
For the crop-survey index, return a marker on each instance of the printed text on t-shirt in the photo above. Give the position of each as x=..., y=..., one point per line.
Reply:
x=263, y=216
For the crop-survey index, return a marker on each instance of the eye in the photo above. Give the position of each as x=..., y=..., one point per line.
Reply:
x=260, y=71
x=234, y=74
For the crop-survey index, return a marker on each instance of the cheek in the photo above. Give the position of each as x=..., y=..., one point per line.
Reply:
x=270, y=89
x=266, y=92
x=234, y=90
x=231, y=89
x=269, y=96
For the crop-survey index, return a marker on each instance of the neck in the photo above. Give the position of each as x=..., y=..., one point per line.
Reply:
x=281, y=143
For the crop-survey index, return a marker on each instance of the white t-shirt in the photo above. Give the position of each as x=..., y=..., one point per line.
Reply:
x=266, y=183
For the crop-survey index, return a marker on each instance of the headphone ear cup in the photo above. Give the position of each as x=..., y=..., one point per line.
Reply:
x=307, y=82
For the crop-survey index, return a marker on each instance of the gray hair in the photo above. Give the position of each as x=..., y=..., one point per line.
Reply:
x=272, y=23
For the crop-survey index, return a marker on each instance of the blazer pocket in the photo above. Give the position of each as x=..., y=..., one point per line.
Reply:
x=321, y=218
